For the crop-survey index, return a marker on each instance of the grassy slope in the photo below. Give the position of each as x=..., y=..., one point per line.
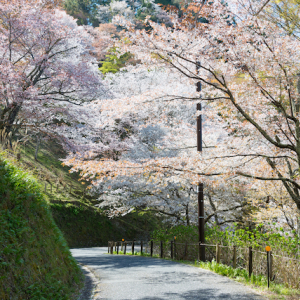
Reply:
x=82, y=224
x=35, y=262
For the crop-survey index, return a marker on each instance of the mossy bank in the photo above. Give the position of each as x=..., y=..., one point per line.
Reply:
x=84, y=225
x=35, y=262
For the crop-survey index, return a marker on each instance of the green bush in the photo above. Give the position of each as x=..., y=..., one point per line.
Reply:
x=114, y=62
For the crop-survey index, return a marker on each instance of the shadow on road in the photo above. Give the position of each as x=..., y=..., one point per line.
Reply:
x=201, y=294
x=122, y=261
x=146, y=278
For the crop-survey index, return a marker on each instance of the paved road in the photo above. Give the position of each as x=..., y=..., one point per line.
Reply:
x=145, y=278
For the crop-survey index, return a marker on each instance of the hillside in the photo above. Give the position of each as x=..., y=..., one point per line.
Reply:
x=35, y=262
x=73, y=209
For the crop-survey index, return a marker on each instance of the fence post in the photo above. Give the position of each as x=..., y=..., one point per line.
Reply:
x=161, y=249
x=271, y=266
x=250, y=261
x=132, y=248
x=174, y=248
x=268, y=267
x=125, y=244
x=117, y=247
x=234, y=257
x=111, y=247
x=121, y=246
x=218, y=253
x=151, y=250
x=141, y=247
x=172, y=256
x=185, y=250
x=108, y=246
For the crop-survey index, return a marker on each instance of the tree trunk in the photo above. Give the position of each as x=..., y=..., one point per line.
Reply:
x=7, y=117
x=38, y=142
x=13, y=113
x=187, y=215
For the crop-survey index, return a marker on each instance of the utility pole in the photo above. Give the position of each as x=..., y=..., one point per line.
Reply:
x=201, y=223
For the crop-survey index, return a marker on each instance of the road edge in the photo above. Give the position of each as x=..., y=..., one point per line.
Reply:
x=91, y=288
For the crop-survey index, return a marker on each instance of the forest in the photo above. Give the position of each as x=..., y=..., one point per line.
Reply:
x=116, y=85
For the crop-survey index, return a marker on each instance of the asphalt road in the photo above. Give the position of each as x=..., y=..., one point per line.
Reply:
x=145, y=278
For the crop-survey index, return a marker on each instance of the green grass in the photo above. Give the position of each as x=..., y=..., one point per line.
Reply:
x=258, y=282
x=35, y=261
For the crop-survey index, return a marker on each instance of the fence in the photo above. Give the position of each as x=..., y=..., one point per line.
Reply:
x=281, y=269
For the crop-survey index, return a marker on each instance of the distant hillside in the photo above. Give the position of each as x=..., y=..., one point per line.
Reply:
x=35, y=262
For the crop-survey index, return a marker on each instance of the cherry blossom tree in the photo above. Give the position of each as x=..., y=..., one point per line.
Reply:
x=248, y=67
x=160, y=127
x=102, y=39
x=45, y=66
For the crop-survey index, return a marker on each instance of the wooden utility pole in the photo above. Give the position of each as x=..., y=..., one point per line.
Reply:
x=201, y=222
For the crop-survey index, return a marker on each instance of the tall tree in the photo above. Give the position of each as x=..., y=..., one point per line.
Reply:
x=45, y=65
x=249, y=69
x=151, y=116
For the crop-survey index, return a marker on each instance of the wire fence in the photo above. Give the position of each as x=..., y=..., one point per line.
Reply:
x=282, y=269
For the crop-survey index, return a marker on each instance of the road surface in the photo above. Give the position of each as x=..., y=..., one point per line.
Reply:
x=145, y=278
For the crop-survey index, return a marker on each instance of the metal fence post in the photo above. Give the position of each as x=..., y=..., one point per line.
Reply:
x=132, y=248
x=141, y=247
x=117, y=247
x=172, y=256
x=268, y=268
x=161, y=249
x=125, y=244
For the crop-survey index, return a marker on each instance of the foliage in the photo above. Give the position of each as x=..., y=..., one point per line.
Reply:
x=86, y=226
x=283, y=13
x=83, y=10
x=280, y=242
x=114, y=61
x=35, y=262
x=181, y=233
x=251, y=91
x=248, y=66
x=72, y=208
x=153, y=133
